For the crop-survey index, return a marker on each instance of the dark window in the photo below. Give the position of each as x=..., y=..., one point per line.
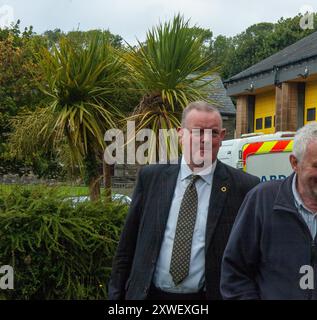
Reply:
x=258, y=124
x=274, y=122
x=311, y=114
x=268, y=122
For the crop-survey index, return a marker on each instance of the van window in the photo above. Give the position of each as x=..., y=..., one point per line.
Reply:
x=311, y=114
x=258, y=124
x=268, y=122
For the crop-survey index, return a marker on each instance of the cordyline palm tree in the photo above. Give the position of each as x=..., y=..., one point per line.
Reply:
x=167, y=70
x=80, y=83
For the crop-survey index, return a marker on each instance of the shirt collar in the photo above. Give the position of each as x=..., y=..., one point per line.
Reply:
x=205, y=174
x=298, y=200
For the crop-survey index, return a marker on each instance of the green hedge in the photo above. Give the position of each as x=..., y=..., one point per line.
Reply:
x=58, y=250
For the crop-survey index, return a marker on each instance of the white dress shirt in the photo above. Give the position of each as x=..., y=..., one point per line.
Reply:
x=195, y=280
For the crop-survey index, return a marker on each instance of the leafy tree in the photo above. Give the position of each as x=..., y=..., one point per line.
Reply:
x=53, y=36
x=250, y=46
x=204, y=34
x=256, y=43
x=19, y=78
x=221, y=50
x=82, y=37
x=288, y=31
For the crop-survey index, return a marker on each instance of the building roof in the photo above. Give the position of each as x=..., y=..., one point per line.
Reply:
x=303, y=49
x=219, y=95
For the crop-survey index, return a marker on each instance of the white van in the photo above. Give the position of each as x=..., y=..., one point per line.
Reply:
x=263, y=155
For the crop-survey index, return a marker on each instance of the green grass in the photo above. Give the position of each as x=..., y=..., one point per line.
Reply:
x=63, y=190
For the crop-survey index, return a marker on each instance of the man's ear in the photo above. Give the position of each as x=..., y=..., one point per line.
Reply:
x=223, y=133
x=294, y=162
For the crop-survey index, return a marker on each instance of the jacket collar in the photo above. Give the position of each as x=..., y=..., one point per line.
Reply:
x=285, y=198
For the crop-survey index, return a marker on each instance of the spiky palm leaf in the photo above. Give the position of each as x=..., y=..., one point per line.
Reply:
x=80, y=84
x=167, y=69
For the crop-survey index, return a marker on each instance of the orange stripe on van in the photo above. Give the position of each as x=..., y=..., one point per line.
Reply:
x=280, y=146
x=251, y=148
x=265, y=147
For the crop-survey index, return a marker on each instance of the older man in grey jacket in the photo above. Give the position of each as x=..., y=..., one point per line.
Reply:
x=271, y=252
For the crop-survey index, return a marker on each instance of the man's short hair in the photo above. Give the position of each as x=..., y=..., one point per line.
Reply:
x=200, y=106
x=302, y=137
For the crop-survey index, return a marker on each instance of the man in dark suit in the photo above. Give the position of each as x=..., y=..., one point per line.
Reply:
x=180, y=218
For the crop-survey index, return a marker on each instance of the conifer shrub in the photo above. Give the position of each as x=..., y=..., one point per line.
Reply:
x=58, y=250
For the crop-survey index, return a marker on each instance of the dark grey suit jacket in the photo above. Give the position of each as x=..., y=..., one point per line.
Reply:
x=141, y=238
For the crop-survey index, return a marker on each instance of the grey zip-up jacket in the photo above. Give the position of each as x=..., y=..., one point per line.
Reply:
x=269, y=244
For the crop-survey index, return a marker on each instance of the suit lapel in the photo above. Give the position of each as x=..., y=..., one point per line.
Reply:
x=218, y=197
x=167, y=186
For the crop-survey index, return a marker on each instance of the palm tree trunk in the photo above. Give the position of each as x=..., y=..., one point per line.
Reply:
x=94, y=188
x=107, y=180
x=93, y=174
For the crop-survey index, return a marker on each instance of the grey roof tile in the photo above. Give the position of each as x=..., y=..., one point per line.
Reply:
x=218, y=93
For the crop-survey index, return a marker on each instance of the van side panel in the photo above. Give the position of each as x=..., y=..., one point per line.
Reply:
x=269, y=166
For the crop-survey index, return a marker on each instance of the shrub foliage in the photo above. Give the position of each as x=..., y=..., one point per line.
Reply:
x=58, y=250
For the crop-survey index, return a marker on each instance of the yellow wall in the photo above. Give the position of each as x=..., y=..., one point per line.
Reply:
x=264, y=107
x=310, y=98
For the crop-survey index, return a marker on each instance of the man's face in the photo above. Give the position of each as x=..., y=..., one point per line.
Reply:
x=306, y=171
x=201, y=137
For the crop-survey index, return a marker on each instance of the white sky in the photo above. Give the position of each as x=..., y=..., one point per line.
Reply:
x=132, y=18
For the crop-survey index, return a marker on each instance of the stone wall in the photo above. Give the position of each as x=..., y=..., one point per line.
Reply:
x=29, y=178
x=230, y=124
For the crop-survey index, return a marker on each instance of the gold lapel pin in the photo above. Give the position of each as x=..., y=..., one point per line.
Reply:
x=223, y=189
